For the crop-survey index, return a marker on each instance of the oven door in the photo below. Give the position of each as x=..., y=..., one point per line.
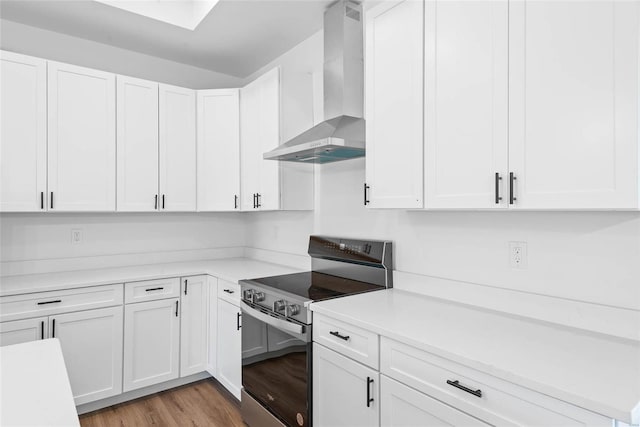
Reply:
x=276, y=364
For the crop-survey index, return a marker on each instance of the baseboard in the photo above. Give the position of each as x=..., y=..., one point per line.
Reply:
x=136, y=394
x=612, y=321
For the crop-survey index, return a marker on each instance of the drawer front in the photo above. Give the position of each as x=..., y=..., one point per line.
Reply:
x=349, y=340
x=151, y=290
x=229, y=291
x=490, y=399
x=54, y=302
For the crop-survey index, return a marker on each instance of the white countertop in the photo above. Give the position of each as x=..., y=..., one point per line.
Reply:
x=589, y=370
x=230, y=269
x=35, y=389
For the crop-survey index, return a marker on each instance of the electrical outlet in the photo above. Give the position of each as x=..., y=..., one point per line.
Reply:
x=76, y=236
x=518, y=255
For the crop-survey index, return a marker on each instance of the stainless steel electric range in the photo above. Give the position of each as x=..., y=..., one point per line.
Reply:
x=277, y=322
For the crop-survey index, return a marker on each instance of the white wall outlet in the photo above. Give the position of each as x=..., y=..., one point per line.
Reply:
x=76, y=236
x=518, y=255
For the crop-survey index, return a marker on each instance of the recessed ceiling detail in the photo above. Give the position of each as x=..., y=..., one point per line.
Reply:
x=182, y=13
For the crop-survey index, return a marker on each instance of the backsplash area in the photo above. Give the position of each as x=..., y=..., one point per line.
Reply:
x=569, y=253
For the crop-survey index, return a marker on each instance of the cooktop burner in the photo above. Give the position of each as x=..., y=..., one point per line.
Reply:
x=316, y=286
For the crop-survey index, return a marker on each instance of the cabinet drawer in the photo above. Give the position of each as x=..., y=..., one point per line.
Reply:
x=229, y=291
x=151, y=290
x=498, y=402
x=351, y=341
x=47, y=303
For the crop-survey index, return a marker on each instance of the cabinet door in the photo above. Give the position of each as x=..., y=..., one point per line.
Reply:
x=177, y=148
x=193, y=326
x=345, y=393
x=151, y=343
x=260, y=132
x=573, y=99
x=20, y=331
x=404, y=406
x=91, y=344
x=212, y=341
x=466, y=103
x=230, y=347
x=137, y=144
x=82, y=139
x=218, y=150
x=23, y=133
x=394, y=98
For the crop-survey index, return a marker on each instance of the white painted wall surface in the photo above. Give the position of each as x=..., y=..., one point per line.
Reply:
x=46, y=44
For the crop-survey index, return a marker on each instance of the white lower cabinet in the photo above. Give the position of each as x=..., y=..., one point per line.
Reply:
x=229, y=348
x=193, y=326
x=151, y=343
x=345, y=393
x=20, y=331
x=91, y=344
x=404, y=406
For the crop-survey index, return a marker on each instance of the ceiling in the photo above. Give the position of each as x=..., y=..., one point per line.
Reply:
x=237, y=37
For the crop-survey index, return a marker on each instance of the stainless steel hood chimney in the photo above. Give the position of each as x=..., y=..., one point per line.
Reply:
x=341, y=135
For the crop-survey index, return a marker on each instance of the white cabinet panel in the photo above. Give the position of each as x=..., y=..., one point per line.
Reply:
x=151, y=343
x=573, y=89
x=91, y=343
x=404, y=406
x=177, y=108
x=82, y=139
x=394, y=104
x=466, y=103
x=218, y=150
x=23, y=133
x=212, y=341
x=137, y=119
x=229, y=347
x=340, y=390
x=193, y=326
x=20, y=331
x=260, y=132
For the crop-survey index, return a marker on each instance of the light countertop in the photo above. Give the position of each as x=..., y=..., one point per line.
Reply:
x=230, y=269
x=592, y=371
x=35, y=386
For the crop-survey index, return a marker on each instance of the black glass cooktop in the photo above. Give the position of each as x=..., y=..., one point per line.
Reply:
x=316, y=286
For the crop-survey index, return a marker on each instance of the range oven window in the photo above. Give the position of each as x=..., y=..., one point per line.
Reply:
x=276, y=364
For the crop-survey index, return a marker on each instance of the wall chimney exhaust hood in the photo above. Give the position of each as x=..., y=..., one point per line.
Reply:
x=341, y=135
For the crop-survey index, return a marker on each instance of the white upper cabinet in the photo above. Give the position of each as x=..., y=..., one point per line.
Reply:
x=177, y=108
x=393, y=106
x=260, y=132
x=218, y=150
x=137, y=169
x=466, y=104
x=573, y=94
x=23, y=133
x=82, y=139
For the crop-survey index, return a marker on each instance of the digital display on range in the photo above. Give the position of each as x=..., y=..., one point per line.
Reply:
x=360, y=250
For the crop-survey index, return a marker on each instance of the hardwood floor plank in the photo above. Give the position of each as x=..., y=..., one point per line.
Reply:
x=203, y=403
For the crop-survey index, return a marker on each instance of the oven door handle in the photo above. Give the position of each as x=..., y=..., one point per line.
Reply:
x=292, y=328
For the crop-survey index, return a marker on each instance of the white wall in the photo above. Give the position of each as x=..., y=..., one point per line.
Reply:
x=46, y=44
x=47, y=236
x=586, y=256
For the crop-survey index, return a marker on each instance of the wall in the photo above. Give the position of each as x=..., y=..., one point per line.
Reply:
x=585, y=256
x=42, y=241
x=34, y=41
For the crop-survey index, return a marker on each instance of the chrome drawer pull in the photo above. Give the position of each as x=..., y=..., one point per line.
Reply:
x=457, y=384
x=49, y=302
x=337, y=334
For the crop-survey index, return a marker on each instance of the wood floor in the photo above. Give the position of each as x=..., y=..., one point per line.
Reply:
x=203, y=403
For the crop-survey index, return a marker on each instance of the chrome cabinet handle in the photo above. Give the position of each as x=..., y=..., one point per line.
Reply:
x=512, y=178
x=369, y=398
x=366, y=200
x=497, y=190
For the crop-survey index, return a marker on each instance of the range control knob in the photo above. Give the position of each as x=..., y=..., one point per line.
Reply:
x=293, y=309
x=258, y=296
x=248, y=294
x=279, y=305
